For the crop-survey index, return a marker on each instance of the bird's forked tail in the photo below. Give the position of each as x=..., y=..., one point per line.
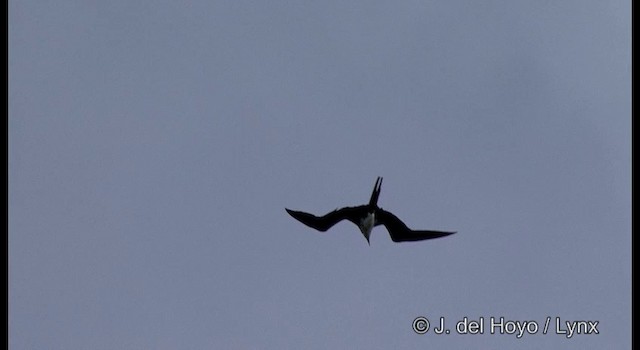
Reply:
x=373, y=202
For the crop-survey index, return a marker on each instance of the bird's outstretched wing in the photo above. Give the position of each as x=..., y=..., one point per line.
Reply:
x=399, y=232
x=323, y=223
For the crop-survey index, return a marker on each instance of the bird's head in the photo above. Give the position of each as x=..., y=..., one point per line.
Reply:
x=366, y=236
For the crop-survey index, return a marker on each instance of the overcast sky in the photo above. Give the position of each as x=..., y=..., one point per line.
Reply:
x=153, y=147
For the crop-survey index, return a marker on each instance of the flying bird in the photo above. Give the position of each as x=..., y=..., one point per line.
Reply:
x=366, y=217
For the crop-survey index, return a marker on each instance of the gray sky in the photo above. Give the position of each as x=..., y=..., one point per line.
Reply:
x=153, y=147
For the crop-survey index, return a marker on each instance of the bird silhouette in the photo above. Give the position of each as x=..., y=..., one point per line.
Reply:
x=366, y=217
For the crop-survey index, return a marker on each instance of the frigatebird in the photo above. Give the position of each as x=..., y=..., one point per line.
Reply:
x=366, y=217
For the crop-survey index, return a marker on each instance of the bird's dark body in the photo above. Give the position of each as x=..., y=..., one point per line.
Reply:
x=359, y=215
